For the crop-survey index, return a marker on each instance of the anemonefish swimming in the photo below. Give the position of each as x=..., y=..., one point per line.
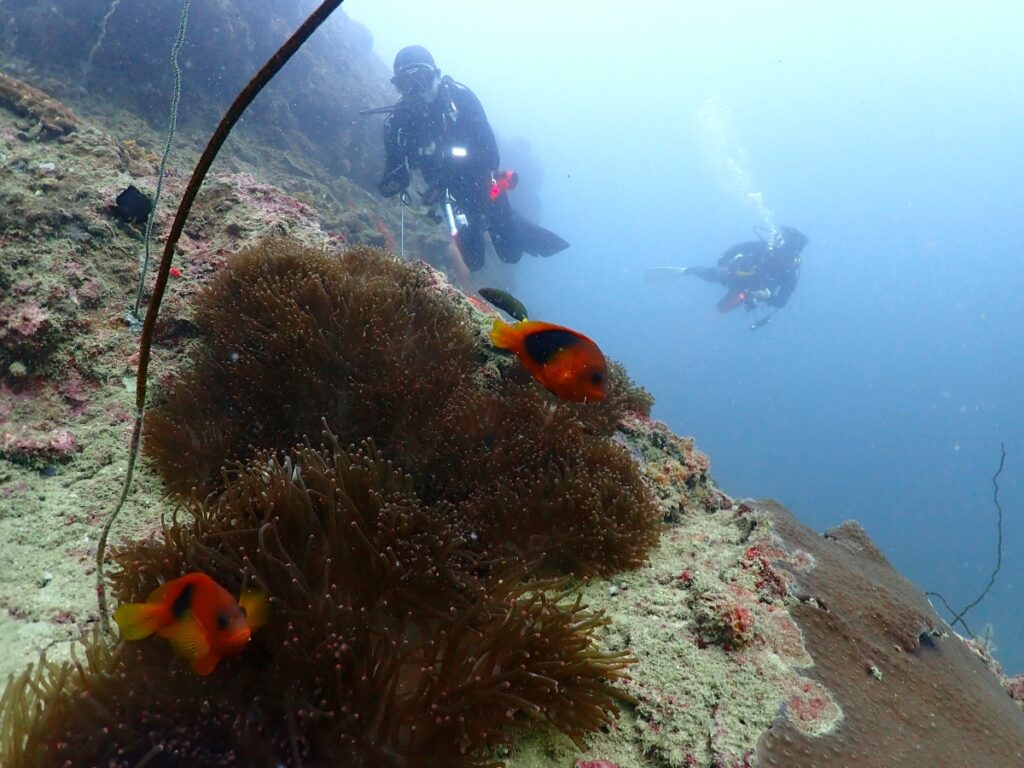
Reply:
x=201, y=619
x=567, y=363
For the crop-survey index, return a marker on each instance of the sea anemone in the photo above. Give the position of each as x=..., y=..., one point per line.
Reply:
x=384, y=647
x=296, y=339
x=420, y=612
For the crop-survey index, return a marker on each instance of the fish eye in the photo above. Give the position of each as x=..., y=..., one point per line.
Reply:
x=596, y=377
x=222, y=620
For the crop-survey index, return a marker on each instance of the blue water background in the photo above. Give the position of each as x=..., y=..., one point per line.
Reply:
x=892, y=137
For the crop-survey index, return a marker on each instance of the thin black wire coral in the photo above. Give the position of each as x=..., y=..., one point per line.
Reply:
x=383, y=648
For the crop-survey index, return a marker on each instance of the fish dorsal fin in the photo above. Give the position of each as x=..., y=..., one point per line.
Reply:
x=159, y=595
x=188, y=638
x=254, y=604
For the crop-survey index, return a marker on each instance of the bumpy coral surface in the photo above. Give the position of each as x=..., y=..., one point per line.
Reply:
x=911, y=693
x=51, y=116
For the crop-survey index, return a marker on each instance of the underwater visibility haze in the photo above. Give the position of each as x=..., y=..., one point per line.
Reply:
x=378, y=522
x=888, y=134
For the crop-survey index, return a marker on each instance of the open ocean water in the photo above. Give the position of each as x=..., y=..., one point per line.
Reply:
x=889, y=135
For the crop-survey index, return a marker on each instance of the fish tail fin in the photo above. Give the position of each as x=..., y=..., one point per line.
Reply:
x=503, y=335
x=255, y=606
x=139, y=620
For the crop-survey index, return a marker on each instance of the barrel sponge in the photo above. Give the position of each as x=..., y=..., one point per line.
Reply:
x=912, y=694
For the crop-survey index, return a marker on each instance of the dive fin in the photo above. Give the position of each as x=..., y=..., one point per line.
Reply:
x=731, y=300
x=536, y=240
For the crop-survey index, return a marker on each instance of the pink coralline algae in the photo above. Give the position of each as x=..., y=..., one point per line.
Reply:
x=25, y=329
x=811, y=709
x=76, y=391
x=27, y=445
x=724, y=621
x=771, y=583
x=1015, y=687
x=274, y=203
x=596, y=764
x=389, y=239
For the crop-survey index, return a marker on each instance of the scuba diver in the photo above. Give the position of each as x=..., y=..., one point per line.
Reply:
x=758, y=272
x=439, y=128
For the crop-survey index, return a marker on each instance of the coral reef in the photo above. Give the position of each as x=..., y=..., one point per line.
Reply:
x=310, y=111
x=911, y=693
x=53, y=119
x=701, y=698
x=66, y=384
x=384, y=648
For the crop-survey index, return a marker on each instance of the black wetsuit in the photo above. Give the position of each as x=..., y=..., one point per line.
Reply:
x=756, y=266
x=421, y=136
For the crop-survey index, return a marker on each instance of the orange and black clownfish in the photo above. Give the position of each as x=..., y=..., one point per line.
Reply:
x=203, y=622
x=567, y=363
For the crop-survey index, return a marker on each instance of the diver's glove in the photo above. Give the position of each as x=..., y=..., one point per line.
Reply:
x=394, y=182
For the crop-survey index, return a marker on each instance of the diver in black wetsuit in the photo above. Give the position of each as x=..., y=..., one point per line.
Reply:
x=439, y=128
x=755, y=272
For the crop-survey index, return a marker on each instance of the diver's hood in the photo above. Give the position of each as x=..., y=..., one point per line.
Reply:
x=793, y=239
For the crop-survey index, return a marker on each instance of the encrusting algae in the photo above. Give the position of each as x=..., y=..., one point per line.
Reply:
x=420, y=601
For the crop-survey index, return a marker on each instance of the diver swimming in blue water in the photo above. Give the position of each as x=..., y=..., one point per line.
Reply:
x=439, y=128
x=758, y=272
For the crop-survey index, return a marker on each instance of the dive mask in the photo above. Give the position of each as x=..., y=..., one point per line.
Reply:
x=414, y=79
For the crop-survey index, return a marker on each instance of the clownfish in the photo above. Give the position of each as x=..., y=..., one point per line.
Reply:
x=567, y=363
x=203, y=622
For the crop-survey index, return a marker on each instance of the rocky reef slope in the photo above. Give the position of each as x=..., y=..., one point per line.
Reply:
x=754, y=640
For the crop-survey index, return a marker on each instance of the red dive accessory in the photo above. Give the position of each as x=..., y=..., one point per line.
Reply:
x=502, y=182
x=732, y=300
